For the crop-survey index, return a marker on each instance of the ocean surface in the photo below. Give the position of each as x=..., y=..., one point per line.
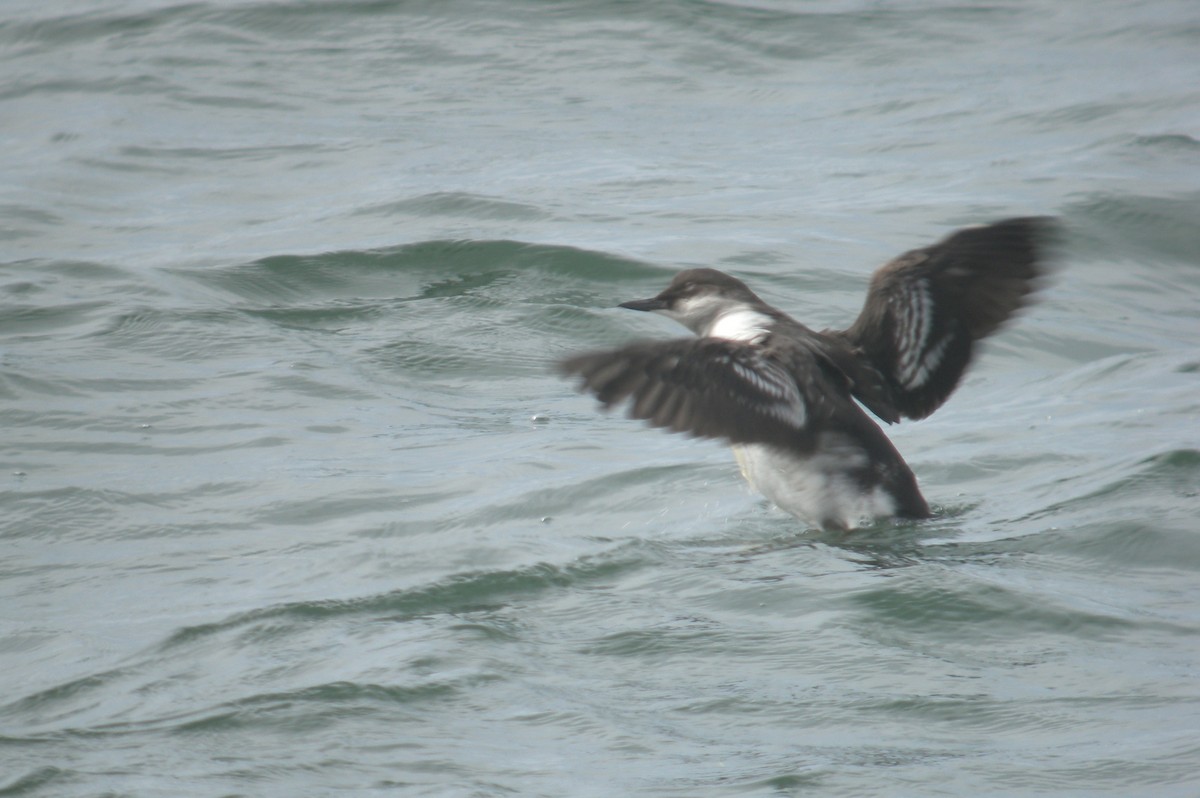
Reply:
x=293, y=504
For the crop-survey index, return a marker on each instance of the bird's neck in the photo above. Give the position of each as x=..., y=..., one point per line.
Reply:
x=740, y=323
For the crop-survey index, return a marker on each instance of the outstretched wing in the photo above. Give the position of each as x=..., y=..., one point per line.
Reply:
x=709, y=387
x=926, y=309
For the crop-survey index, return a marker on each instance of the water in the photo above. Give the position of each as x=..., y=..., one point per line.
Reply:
x=280, y=287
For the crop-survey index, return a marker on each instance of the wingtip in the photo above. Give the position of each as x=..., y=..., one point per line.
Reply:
x=1048, y=236
x=565, y=366
x=1046, y=233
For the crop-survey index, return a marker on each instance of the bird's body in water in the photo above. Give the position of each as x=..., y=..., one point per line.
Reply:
x=785, y=396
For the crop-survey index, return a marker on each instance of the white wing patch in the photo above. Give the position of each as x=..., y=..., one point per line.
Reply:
x=785, y=401
x=792, y=414
x=926, y=365
x=914, y=316
x=759, y=381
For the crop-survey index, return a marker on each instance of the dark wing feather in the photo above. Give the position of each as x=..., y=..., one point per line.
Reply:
x=709, y=387
x=926, y=309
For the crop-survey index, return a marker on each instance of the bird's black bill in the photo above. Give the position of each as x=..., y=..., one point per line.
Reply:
x=644, y=304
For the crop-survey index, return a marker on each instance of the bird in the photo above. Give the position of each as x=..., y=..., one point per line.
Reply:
x=793, y=401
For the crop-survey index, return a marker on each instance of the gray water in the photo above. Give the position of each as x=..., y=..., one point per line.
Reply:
x=291, y=502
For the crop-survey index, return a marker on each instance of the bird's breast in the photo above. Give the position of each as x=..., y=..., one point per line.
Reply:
x=820, y=487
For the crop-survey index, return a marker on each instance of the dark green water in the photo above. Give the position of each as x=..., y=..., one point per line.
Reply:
x=291, y=504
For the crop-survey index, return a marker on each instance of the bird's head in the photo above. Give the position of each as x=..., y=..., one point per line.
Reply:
x=696, y=298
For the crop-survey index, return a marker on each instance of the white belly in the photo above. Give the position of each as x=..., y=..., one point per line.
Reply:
x=819, y=489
